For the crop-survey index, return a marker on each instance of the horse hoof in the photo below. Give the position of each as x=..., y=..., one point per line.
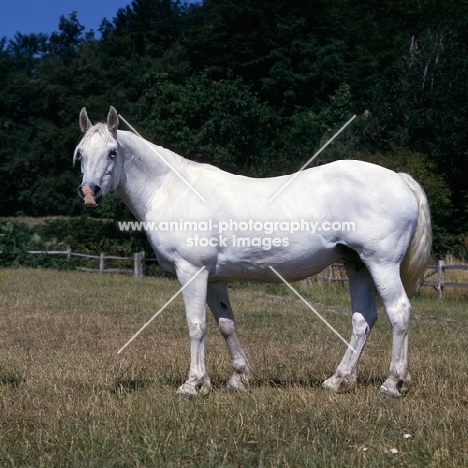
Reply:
x=236, y=384
x=340, y=384
x=236, y=387
x=331, y=385
x=388, y=391
x=186, y=392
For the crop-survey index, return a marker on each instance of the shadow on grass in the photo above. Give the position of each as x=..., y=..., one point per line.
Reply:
x=312, y=382
x=124, y=385
x=370, y=381
x=286, y=383
x=11, y=379
x=128, y=385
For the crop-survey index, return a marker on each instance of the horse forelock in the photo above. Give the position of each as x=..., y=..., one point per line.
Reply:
x=99, y=129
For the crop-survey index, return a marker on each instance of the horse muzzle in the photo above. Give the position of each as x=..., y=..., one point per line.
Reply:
x=91, y=196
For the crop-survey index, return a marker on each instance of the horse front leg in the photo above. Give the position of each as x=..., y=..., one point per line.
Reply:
x=194, y=297
x=218, y=300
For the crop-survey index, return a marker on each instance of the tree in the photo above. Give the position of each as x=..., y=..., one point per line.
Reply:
x=220, y=121
x=423, y=106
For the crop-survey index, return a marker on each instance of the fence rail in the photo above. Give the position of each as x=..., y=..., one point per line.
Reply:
x=139, y=263
x=440, y=284
x=438, y=268
x=139, y=260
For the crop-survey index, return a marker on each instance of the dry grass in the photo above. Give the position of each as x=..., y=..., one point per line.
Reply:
x=67, y=398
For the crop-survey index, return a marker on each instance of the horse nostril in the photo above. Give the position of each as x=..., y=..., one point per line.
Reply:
x=80, y=193
x=98, y=194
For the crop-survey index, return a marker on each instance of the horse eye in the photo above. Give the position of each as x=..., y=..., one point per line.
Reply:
x=78, y=156
x=113, y=153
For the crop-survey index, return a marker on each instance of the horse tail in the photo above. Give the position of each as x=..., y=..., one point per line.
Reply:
x=419, y=250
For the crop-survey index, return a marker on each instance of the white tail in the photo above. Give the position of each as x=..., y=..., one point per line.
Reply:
x=419, y=250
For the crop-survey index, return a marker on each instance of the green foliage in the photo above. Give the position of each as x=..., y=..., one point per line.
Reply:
x=424, y=106
x=220, y=121
x=225, y=123
x=13, y=239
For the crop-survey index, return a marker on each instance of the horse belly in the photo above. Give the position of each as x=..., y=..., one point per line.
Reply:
x=293, y=261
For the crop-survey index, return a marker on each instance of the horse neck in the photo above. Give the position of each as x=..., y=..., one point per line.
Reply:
x=146, y=168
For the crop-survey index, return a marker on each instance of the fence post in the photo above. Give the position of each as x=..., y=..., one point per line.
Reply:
x=143, y=263
x=440, y=278
x=101, y=263
x=329, y=275
x=138, y=265
x=69, y=251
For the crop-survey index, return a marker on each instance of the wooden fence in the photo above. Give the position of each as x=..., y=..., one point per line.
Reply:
x=328, y=275
x=440, y=284
x=139, y=261
x=438, y=269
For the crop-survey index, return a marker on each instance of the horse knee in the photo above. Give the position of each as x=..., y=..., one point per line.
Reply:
x=226, y=327
x=197, y=330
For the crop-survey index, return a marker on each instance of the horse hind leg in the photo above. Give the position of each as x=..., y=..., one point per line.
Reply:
x=218, y=300
x=388, y=282
x=364, y=316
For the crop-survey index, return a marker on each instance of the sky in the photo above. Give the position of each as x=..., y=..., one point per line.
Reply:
x=34, y=16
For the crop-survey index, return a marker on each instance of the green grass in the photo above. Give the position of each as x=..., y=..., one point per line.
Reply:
x=67, y=398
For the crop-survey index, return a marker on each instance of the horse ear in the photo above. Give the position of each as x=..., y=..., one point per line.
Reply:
x=85, y=123
x=112, y=120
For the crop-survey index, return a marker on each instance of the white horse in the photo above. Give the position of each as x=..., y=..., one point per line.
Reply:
x=236, y=233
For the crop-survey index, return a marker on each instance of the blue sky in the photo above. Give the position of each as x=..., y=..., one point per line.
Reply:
x=34, y=16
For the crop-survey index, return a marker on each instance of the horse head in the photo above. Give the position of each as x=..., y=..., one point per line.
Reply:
x=98, y=154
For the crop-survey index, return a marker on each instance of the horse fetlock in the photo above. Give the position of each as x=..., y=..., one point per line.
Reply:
x=240, y=365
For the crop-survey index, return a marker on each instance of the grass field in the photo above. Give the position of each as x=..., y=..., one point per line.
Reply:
x=68, y=400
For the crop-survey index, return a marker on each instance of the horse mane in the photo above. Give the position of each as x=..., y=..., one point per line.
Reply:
x=101, y=129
